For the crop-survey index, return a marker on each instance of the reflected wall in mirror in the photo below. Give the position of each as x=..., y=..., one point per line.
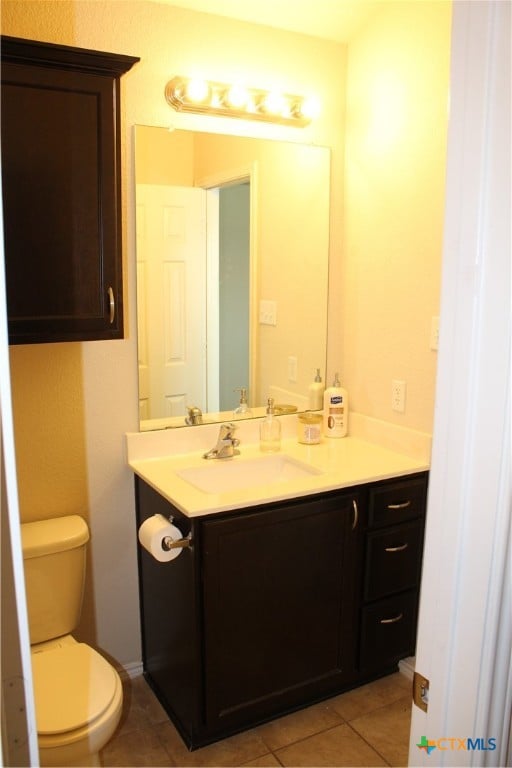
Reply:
x=232, y=268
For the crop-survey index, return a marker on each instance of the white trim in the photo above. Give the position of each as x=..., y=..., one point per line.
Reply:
x=407, y=667
x=19, y=732
x=133, y=669
x=212, y=301
x=225, y=178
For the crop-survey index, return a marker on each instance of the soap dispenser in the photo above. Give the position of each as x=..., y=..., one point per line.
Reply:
x=243, y=406
x=316, y=393
x=270, y=430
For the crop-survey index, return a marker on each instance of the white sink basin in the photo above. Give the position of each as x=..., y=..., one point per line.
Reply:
x=223, y=475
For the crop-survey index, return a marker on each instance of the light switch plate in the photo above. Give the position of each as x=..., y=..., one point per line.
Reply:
x=268, y=312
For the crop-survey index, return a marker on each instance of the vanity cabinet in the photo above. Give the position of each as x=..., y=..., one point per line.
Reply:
x=61, y=191
x=277, y=606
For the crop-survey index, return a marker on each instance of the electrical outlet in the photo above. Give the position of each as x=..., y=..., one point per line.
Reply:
x=434, y=333
x=292, y=368
x=398, y=389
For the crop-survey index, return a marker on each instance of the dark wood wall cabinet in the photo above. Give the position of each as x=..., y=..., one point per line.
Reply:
x=61, y=191
x=277, y=606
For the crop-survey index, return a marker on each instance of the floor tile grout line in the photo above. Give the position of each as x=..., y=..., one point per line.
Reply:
x=376, y=709
x=305, y=738
x=375, y=749
x=369, y=744
x=277, y=758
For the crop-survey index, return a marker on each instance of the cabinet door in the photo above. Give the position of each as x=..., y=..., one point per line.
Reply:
x=278, y=589
x=60, y=179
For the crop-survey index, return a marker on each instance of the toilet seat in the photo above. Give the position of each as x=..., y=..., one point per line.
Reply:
x=73, y=688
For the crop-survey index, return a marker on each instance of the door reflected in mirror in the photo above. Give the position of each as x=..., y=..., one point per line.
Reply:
x=232, y=266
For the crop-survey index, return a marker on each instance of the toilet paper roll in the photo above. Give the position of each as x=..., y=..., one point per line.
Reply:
x=152, y=533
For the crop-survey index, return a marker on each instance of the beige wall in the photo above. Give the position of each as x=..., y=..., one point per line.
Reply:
x=101, y=377
x=397, y=112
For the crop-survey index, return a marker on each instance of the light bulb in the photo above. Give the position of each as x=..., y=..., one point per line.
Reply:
x=197, y=91
x=236, y=97
x=310, y=108
x=274, y=103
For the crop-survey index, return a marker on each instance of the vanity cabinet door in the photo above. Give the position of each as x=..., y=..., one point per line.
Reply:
x=61, y=191
x=278, y=589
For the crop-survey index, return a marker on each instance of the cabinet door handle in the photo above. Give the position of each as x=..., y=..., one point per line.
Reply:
x=356, y=514
x=397, y=549
x=111, y=304
x=401, y=505
x=393, y=620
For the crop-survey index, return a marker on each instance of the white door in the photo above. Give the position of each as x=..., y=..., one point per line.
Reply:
x=171, y=296
x=465, y=621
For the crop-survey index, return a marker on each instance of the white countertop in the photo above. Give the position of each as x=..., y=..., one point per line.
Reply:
x=342, y=463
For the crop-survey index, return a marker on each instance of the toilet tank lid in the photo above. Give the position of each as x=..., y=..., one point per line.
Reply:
x=46, y=537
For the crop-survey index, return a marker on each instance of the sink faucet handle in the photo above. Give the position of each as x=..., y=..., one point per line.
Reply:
x=226, y=443
x=227, y=431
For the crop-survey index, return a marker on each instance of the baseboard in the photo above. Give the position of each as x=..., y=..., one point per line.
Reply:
x=407, y=666
x=132, y=670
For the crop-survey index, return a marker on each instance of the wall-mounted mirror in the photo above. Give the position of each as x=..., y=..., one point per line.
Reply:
x=232, y=268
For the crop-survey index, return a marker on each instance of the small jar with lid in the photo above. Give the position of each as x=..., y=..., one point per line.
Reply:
x=309, y=427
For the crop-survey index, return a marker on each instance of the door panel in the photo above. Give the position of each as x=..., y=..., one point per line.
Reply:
x=171, y=295
x=275, y=628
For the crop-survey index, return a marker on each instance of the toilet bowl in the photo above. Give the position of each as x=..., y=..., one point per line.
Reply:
x=78, y=694
x=78, y=697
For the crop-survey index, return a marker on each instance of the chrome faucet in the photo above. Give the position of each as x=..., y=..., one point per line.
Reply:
x=226, y=443
x=194, y=416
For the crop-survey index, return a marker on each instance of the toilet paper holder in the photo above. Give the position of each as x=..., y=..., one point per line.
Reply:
x=168, y=543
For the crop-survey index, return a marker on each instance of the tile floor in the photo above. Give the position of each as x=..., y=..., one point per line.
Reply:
x=368, y=726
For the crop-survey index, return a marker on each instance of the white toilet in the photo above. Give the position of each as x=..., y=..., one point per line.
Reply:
x=78, y=694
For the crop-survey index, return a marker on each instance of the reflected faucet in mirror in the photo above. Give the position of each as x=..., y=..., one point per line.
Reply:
x=232, y=263
x=194, y=416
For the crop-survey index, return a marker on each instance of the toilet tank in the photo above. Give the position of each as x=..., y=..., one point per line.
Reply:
x=54, y=562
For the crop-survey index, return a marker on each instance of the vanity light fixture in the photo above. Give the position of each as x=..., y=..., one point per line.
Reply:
x=212, y=98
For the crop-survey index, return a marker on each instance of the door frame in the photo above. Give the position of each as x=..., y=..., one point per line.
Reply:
x=224, y=178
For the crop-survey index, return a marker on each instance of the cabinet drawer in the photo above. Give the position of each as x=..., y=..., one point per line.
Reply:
x=393, y=559
x=394, y=502
x=388, y=631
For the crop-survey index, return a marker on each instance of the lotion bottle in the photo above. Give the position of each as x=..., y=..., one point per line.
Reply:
x=316, y=393
x=270, y=430
x=335, y=410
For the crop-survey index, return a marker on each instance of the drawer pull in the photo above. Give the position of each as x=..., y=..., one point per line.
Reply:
x=356, y=513
x=111, y=305
x=393, y=620
x=397, y=549
x=401, y=505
